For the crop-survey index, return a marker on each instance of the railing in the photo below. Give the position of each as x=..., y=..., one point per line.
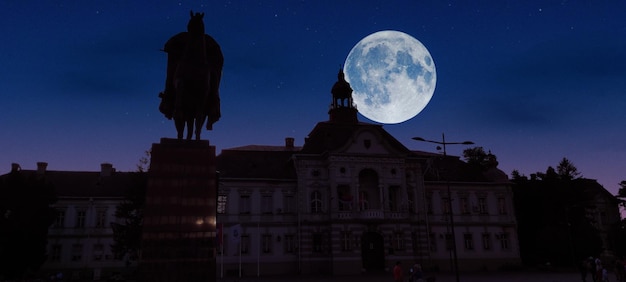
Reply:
x=369, y=214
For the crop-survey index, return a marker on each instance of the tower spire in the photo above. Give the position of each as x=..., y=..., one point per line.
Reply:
x=342, y=108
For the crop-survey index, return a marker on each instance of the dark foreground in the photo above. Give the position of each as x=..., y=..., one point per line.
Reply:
x=439, y=277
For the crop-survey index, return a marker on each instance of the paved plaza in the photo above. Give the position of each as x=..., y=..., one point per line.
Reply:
x=440, y=277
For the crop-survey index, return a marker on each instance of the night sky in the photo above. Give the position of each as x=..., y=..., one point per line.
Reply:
x=531, y=81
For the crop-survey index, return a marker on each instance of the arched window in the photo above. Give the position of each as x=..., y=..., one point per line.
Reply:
x=316, y=202
x=369, y=192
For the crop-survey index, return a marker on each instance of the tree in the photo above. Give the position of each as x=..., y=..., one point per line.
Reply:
x=25, y=216
x=566, y=170
x=476, y=156
x=127, y=234
x=551, y=214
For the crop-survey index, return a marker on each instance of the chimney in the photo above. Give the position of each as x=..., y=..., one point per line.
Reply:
x=15, y=167
x=41, y=167
x=106, y=169
x=289, y=142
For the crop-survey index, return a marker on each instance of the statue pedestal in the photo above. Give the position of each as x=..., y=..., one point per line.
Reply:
x=178, y=238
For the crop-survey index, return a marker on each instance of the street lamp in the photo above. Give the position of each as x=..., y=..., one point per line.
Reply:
x=444, y=143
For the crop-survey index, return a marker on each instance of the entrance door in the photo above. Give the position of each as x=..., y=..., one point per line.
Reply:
x=372, y=251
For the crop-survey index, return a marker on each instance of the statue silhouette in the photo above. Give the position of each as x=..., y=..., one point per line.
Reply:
x=194, y=71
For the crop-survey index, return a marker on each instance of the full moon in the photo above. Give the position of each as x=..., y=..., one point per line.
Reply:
x=392, y=75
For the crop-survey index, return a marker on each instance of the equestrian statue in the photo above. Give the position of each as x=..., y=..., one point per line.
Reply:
x=194, y=71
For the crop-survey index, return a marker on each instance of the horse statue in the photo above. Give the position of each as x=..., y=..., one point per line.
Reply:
x=194, y=71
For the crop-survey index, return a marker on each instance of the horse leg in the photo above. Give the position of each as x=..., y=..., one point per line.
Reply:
x=180, y=126
x=189, y=128
x=199, y=122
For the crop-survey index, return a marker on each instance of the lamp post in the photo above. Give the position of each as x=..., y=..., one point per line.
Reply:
x=451, y=216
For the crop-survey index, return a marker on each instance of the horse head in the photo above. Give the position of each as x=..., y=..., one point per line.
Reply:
x=196, y=23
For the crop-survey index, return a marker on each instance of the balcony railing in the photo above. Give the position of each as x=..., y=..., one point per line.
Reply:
x=369, y=214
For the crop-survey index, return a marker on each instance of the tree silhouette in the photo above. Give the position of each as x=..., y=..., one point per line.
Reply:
x=25, y=216
x=127, y=234
x=567, y=170
x=551, y=214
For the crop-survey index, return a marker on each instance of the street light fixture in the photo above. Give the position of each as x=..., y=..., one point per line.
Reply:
x=444, y=143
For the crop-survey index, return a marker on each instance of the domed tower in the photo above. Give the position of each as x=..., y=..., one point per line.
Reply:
x=342, y=108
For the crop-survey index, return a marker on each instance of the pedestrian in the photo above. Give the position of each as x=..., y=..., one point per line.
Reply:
x=398, y=275
x=416, y=273
x=605, y=274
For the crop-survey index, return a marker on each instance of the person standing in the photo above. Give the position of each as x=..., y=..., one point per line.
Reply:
x=397, y=272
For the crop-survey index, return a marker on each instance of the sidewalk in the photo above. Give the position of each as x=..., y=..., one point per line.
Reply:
x=440, y=277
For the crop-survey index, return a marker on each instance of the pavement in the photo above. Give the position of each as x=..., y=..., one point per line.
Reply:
x=439, y=277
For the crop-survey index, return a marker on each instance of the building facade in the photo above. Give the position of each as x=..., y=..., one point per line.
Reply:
x=80, y=238
x=353, y=199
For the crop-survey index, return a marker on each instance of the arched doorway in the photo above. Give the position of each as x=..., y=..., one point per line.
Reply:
x=372, y=251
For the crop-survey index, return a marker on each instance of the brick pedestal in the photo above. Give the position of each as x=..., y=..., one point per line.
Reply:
x=178, y=240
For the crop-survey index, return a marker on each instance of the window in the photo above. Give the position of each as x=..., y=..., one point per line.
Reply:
x=433, y=242
x=317, y=242
x=77, y=252
x=316, y=202
x=98, y=252
x=469, y=241
x=101, y=218
x=363, y=201
x=394, y=197
x=266, y=242
x=464, y=205
x=221, y=204
x=244, y=204
x=482, y=205
x=245, y=243
x=55, y=253
x=501, y=206
x=429, y=203
x=80, y=218
x=345, y=241
x=344, y=197
x=290, y=243
x=398, y=241
x=60, y=219
x=486, y=241
x=504, y=241
x=445, y=205
x=411, y=202
x=449, y=241
x=266, y=204
x=289, y=204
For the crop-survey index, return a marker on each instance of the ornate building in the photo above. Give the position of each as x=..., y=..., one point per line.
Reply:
x=354, y=199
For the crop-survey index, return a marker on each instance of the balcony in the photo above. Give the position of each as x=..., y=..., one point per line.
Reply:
x=369, y=214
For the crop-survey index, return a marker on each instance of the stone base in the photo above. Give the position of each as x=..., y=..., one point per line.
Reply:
x=178, y=239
